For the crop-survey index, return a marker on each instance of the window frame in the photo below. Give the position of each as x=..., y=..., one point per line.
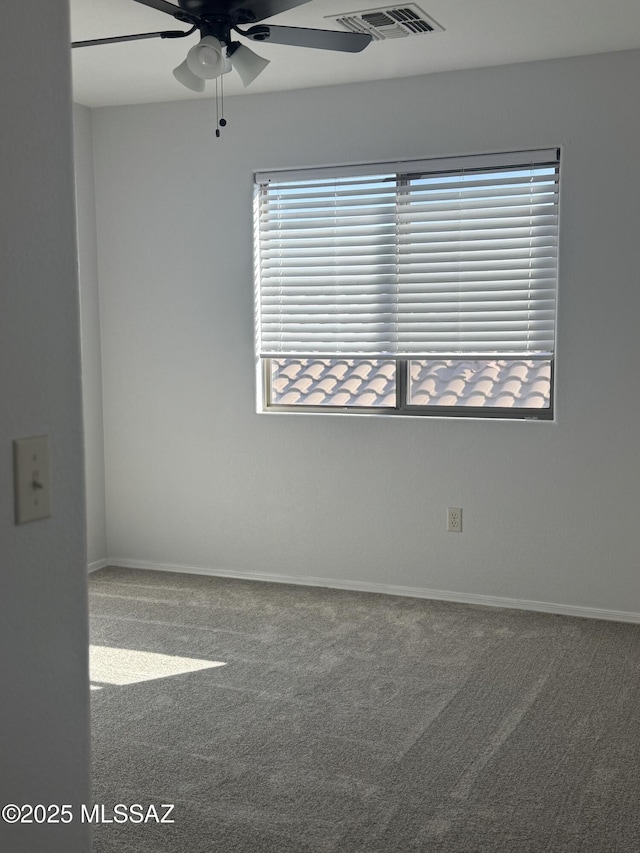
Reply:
x=403, y=407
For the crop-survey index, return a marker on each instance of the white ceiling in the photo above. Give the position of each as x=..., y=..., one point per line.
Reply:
x=476, y=34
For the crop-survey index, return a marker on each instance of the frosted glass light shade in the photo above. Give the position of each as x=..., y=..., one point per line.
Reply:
x=248, y=64
x=206, y=59
x=184, y=75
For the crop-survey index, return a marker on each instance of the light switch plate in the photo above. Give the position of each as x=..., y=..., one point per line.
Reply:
x=32, y=478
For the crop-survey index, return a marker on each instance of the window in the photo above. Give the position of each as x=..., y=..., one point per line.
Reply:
x=411, y=288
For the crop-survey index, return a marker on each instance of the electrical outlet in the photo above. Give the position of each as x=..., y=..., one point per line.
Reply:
x=454, y=519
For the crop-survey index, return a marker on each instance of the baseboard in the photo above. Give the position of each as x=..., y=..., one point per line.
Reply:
x=99, y=564
x=387, y=589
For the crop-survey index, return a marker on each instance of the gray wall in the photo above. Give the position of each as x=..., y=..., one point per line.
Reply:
x=90, y=338
x=44, y=729
x=197, y=479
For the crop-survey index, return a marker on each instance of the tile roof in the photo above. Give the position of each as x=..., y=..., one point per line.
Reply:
x=504, y=383
x=437, y=382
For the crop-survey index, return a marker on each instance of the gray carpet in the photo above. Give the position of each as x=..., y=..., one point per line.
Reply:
x=358, y=723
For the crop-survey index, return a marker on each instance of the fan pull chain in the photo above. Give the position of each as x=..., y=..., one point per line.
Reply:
x=223, y=121
x=220, y=119
x=217, y=112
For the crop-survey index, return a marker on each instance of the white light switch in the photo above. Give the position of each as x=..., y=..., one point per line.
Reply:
x=32, y=478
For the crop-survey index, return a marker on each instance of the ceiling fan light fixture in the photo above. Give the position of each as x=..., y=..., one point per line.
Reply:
x=207, y=59
x=184, y=75
x=247, y=63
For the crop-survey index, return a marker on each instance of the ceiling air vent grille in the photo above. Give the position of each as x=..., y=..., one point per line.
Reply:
x=389, y=22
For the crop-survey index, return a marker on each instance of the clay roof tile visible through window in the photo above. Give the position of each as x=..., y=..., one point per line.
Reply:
x=441, y=382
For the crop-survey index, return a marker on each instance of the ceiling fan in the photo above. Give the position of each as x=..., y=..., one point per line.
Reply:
x=217, y=52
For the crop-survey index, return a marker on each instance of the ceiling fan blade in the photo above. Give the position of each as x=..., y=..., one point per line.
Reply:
x=266, y=8
x=162, y=6
x=168, y=34
x=302, y=37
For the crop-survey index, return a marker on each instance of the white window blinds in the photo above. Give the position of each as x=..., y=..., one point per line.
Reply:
x=454, y=258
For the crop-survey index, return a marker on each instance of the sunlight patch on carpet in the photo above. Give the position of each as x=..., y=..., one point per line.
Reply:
x=127, y=666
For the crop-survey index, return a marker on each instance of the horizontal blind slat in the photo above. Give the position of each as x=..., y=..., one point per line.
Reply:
x=410, y=264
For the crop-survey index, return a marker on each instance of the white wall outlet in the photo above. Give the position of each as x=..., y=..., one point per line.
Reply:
x=32, y=478
x=454, y=519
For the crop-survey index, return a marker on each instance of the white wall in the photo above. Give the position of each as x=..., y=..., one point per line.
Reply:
x=90, y=339
x=197, y=479
x=44, y=729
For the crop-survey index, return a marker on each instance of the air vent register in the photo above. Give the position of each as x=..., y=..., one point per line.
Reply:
x=388, y=22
